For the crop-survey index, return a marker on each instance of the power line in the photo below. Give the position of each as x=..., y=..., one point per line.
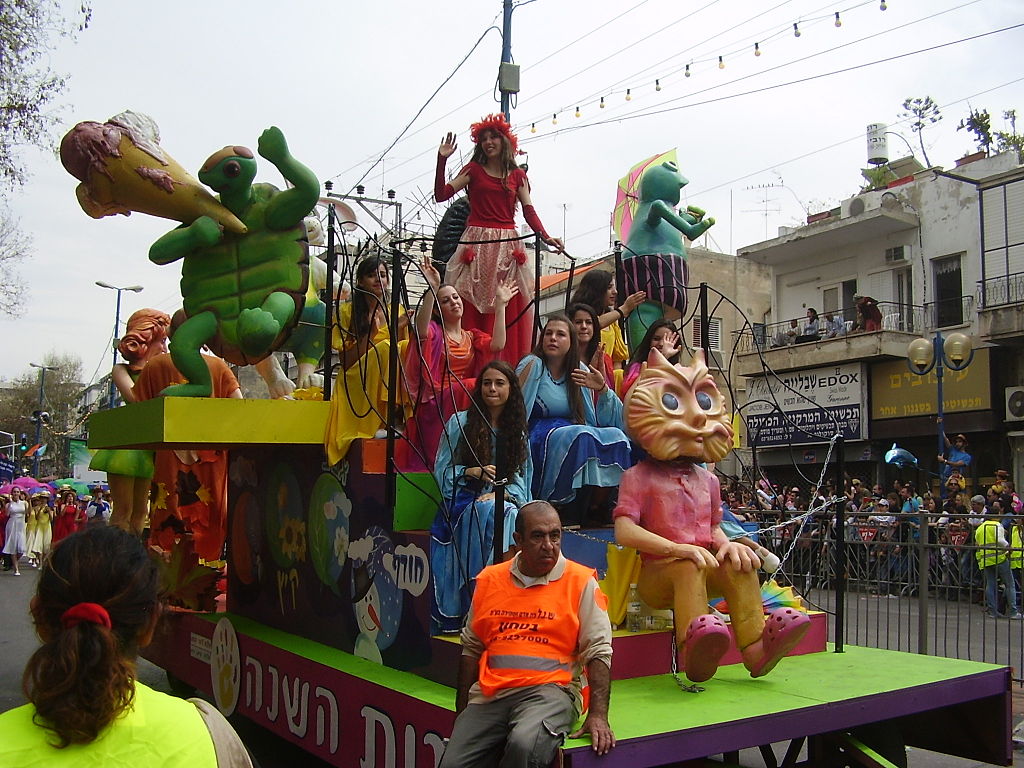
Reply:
x=798, y=81
x=529, y=140
x=811, y=153
x=780, y=66
x=424, y=107
x=525, y=69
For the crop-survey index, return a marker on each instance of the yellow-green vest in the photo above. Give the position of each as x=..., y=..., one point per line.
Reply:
x=989, y=552
x=159, y=730
x=1016, y=548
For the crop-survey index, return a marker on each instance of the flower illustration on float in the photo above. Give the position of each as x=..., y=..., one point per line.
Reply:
x=340, y=545
x=293, y=538
x=328, y=529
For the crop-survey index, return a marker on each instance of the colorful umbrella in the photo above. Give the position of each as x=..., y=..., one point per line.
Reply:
x=627, y=196
x=27, y=482
x=772, y=596
x=78, y=485
x=5, y=489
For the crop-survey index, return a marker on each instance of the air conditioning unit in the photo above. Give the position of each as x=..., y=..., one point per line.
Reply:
x=855, y=206
x=898, y=254
x=1015, y=403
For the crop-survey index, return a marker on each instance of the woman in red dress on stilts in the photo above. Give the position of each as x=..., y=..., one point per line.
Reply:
x=494, y=184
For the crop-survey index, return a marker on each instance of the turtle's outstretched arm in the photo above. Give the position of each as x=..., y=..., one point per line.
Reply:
x=685, y=224
x=289, y=207
x=185, y=346
x=183, y=241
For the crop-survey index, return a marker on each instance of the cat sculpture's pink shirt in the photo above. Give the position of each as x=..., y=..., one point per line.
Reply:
x=681, y=502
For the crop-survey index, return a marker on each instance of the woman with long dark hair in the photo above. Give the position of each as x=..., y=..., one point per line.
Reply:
x=597, y=288
x=95, y=606
x=575, y=442
x=490, y=253
x=663, y=336
x=362, y=335
x=484, y=443
x=587, y=325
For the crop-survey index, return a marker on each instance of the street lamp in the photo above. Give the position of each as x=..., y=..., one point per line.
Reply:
x=40, y=417
x=924, y=355
x=117, y=328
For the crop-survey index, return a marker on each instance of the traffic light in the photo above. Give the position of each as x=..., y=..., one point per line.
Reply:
x=24, y=442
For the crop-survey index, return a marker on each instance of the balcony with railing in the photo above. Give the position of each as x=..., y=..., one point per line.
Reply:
x=949, y=313
x=1001, y=307
x=785, y=346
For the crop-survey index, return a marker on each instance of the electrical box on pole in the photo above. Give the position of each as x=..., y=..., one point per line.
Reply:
x=508, y=77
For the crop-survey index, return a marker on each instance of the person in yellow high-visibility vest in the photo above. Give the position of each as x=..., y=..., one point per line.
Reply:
x=1017, y=551
x=994, y=563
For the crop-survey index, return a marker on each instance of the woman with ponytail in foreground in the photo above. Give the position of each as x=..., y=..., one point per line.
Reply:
x=95, y=606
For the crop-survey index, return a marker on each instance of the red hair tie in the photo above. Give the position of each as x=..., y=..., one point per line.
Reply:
x=468, y=254
x=520, y=257
x=94, y=613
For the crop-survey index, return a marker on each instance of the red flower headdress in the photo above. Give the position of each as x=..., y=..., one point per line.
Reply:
x=496, y=123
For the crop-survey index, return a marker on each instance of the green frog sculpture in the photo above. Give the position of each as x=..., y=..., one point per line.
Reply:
x=655, y=261
x=241, y=293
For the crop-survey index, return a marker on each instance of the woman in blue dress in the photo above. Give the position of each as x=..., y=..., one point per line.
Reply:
x=576, y=443
x=487, y=441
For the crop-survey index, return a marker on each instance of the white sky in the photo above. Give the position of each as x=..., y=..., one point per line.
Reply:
x=342, y=79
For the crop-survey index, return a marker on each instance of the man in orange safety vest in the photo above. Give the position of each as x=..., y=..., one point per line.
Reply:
x=536, y=624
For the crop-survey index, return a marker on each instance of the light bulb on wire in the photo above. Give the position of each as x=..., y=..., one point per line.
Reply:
x=629, y=97
x=657, y=85
x=687, y=72
x=721, y=64
x=578, y=112
x=882, y=6
x=796, y=29
x=757, y=49
x=533, y=127
x=602, y=103
x=839, y=21
x=554, y=119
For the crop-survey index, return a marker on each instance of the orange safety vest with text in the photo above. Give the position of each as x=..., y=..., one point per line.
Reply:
x=530, y=634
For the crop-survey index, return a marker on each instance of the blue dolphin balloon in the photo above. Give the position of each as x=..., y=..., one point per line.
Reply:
x=900, y=457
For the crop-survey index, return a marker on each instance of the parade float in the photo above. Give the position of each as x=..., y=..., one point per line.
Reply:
x=325, y=635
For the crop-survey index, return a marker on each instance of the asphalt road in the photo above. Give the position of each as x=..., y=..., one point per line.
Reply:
x=18, y=641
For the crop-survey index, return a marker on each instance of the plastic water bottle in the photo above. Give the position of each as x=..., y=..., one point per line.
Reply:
x=633, y=609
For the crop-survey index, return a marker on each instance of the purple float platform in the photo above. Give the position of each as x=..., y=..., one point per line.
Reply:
x=352, y=712
x=326, y=642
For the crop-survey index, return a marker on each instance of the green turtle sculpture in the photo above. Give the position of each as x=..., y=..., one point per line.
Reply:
x=241, y=293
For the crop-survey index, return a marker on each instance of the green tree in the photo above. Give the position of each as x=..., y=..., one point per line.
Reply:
x=29, y=112
x=29, y=89
x=1010, y=140
x=62, y=389
x=978, y=122
x=923, y=113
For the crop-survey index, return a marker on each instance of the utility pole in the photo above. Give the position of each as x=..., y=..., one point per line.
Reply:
x=40, y=417
x=508, y=73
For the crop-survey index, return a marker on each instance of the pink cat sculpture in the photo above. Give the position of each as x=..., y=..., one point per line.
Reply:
x=669, y=510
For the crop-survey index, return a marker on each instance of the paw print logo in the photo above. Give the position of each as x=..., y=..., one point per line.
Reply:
x=225, y=666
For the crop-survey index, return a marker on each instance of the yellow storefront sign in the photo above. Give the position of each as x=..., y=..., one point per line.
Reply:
x=897, y=393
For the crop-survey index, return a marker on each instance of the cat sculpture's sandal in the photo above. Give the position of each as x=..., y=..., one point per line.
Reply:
x=783, y=629
x=707, y=640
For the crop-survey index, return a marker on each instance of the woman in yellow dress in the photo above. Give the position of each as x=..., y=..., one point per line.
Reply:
x=39, y=528
x=362, y=335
